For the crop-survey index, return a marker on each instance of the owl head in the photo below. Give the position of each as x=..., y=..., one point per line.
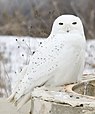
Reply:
x=67, y=24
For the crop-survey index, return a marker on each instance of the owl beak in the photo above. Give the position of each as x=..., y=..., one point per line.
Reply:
x=67, y=30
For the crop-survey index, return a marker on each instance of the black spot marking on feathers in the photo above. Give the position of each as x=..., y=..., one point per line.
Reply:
x=40, y=42
x=22, y=54
x=56, y=65
x=18, y=46
x=33, y=52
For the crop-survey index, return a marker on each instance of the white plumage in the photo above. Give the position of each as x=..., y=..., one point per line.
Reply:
x=58, y=61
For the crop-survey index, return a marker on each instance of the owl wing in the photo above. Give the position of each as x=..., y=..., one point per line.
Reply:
x=20, y=77
x=40, y=70
x=36, y=44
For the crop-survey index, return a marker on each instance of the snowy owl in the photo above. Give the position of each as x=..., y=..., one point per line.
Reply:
x=58, y=61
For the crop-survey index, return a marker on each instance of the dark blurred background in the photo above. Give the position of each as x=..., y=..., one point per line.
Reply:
x=35, y=17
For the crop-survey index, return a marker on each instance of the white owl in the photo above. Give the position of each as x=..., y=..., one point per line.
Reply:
x=58, y=61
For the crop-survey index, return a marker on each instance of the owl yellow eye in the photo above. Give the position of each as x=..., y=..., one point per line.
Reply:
x=60, y=23
x=74, y=23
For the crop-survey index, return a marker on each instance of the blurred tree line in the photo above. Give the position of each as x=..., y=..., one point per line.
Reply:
x=35, y=17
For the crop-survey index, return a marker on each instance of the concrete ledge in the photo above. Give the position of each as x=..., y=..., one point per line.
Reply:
x=65, y=100
x=44, y=107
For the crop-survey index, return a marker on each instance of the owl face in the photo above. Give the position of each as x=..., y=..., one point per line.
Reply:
x=67, y=24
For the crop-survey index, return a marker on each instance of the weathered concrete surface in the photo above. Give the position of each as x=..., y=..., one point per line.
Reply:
x=45, y=107
x=8, y=108
x=63, y=100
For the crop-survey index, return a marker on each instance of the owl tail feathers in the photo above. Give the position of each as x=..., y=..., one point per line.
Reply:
x=21, y=101
x=11, y=97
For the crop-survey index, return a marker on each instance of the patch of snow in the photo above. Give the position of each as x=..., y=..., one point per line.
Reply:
x=90, y=57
